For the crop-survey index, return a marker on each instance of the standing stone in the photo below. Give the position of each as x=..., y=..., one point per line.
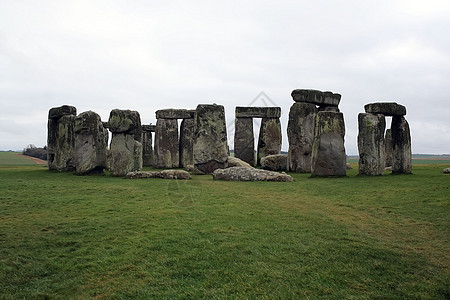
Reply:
x=244, y=141
x=126, y=143
x=328, y=152
x=210, y=138
x=187, y=143
x=90, y=144
x=269, y=141
x=61, y=138
x=167, y=152
x=388, y=149
x=371, y=144
x=147, y=148
x=401, y=144
x=300, y=133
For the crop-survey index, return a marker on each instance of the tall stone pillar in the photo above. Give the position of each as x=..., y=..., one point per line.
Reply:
x=300, y=133
x=388, y=149
x=244, y=141
x=187, y=142
x=328, y=152
x=147, y=145
x=401, y=142
x=167, y=152
x=269, y=141
x=371, y=145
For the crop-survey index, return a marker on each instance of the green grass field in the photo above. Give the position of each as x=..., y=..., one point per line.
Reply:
x=67, y=236
x=9, y=158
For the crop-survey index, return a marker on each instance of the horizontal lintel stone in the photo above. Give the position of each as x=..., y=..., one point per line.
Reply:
x=173, y=113
x=149, y=128
x=58, y=112
x=385, y=108
x=258, y=112
x=316, y=97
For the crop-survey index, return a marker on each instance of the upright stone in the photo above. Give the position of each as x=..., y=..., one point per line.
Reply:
x=388, y=149
x=328, y=152
x=147, y=148
x=61, y=138
x=244, y=141
x=210, y=138
x=187, y=143
x=269, y=141
x=300, y=133
x=90, y=143
x=371, y=144
x=126, y=143
x=167, y=152
x=401, y=144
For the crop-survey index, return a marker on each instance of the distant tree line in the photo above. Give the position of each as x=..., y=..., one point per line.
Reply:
x=34, y=151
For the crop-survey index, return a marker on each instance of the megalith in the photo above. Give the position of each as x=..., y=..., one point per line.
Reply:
x=187, y=142
x=147, y=145
x=244, y=141
x=90, y=143
x=401, y=145
x=61, y=138
x=269, y=141
x=126, y=142
x=388, y=147
x=371, y=145
x=210, y=138
x=300, y=132
x=167, y=152
x=328, y=151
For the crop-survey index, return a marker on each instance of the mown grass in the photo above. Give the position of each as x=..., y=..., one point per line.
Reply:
x=10, y=158
x=68, y=236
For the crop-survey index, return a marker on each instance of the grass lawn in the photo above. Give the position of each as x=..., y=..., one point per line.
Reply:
x=10, y=158
x=68, y=236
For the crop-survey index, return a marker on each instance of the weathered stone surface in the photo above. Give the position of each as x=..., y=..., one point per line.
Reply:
x=61, y=143
x=137, y=155
x=172, y=113
x=385, y=108
x=148, y=128
x=58, y=112
x=446, y=171
x=388, y=148
x=249, y=174
x=348, y=166
x=401, y=144
x=269, y=141
x=329, y=108
x=244, y=141
x=236, y=162
x=300, y=133
x=276, y=162
x=147, y=148
x=187, y=142
x=122, y=154
x=167, y=150
x=316, y=97
x=210, y=138
x=328, y=152
x=257, y=112
x=371, y=145
x=165, y=174
x=125, y=121
x=90, y=143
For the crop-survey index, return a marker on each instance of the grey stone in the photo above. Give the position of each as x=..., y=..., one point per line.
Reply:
x=165, y=174
x=148, y=128
x=124, y=154
x=249, y=174
x=210, y=138
x=187, y=142
x=371, y=147
x=269, y=141
x=328, y=153
x=276, y=162
x=446, y=171
x=257, y=112
x=125, y=121
x=137, y=155
x=58, y=112
x=61, y=143
x=172, y=113
x=401, y=144
x=147, y=148
x=348, y=166
x=385, y=108
x=316, y=97
x=300, y=133
x=388, y=148
x=244, y=141
x=167, y=150
x=90, y=143
x=236, y=162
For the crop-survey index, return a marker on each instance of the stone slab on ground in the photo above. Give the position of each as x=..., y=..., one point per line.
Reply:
x=250, y=174
x=165, y=174
x=276, y=162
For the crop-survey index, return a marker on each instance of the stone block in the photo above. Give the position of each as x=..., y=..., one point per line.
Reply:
x=316, y=97
x=371, y=147
x=172, y=113
x=244, y=141
x=257, y=112
x=385, y=108
x=58, y=112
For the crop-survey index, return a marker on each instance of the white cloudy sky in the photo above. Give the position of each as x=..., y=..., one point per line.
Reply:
x=148, y=55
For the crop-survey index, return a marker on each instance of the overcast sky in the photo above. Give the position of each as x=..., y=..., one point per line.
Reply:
x=150, y=55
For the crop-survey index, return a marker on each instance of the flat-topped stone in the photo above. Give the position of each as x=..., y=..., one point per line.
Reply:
x=258, y=112
x=316, y=97
x=149, y=128
x=58, y=112
x=173, y=113
x=250, y=174
x=124, y=121
x=385, y=108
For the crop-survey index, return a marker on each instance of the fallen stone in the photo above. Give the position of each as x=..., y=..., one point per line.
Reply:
x=58, y=112
x=244, y=141
x=276, y=162
x=316, y=97
x=371, y=145
x=446, y=171
x=385, y=108
x=249, y=174
x=269, y=141
x=348, y=166
x=257, y=112
x=172, y=113
x=236, y=162
x=165, y=174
